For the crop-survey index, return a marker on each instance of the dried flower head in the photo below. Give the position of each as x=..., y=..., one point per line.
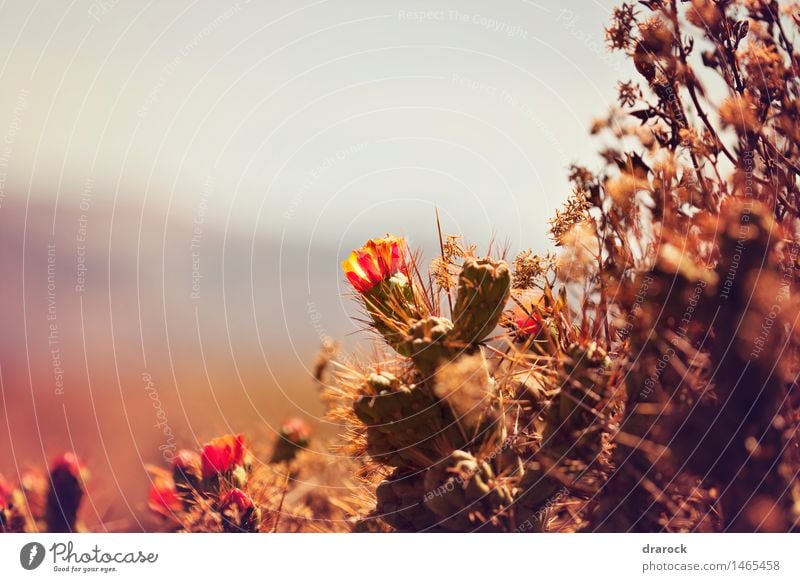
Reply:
x=5, y=491
x=574, y=212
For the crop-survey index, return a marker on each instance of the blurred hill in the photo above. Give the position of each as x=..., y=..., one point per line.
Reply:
x=127, y=333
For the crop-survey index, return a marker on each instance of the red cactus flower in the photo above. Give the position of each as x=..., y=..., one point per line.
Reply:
x=163, y=498
x=529, y=324
x=186, y=465
x=296, y=431
x=67, y=464
x=235, y=498
x=376, y=261
x=222, y=454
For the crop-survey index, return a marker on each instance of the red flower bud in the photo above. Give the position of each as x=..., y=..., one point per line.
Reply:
x=5, y=492
x=293, y=435
x=376, y=261
x=222, y=454
x=66, y=492
x=530, y=321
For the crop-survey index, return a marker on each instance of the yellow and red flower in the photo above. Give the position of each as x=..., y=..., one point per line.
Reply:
x=163, y=497
x=222, y=454
x=378, y=260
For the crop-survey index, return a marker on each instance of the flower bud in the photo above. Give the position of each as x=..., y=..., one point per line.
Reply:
x=239, y=512
x=34, y=485
x=293, y=435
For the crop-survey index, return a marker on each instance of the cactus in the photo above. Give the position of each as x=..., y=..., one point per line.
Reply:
x=441, y=425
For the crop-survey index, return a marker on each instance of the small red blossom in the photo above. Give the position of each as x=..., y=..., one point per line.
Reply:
x=67, y=464
x=5, y=492
x=376, y=261
x=235, y=498
x=296, y=431
x=240, y=512
x=186, y=460
x=163, y=498
x=222, y=454
x=66, y=491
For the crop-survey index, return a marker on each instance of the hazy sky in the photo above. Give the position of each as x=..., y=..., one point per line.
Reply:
x=320, y=122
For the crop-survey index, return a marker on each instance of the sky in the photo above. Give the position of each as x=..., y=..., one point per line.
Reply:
x=318, y=123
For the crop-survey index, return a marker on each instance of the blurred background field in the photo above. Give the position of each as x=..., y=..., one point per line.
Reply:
x=179, y=183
